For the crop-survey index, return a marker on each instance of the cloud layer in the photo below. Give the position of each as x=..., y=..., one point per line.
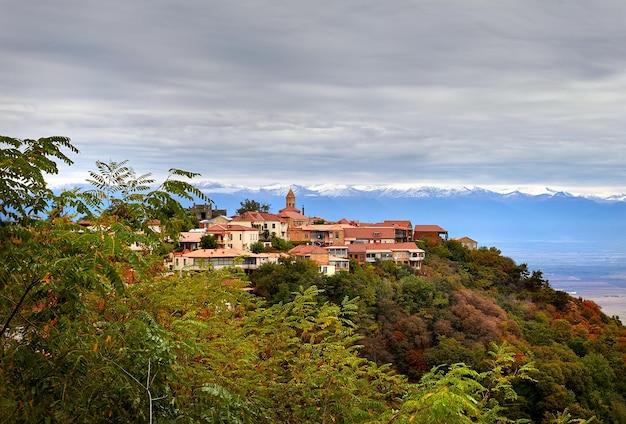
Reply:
x=488, y=93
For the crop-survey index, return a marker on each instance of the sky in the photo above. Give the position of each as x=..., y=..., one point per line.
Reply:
x=488, y=93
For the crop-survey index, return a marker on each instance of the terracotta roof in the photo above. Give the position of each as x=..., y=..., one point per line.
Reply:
x=429, y=229
x=257, y=216
x=308, y=249
x=369, y=232
x=465, y=239
x=407, y=245
x=191, y=236
x=382, y=247
x=399, y=223
x=216, y=229
x=236, y=227
x=292, y=213
x=321, y=227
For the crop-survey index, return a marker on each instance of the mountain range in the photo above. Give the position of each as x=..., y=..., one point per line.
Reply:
x=489, y=217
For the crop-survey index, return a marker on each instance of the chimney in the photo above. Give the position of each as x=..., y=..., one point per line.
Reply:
x=302, y=209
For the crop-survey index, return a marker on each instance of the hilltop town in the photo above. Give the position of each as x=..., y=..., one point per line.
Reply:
x=245, y=240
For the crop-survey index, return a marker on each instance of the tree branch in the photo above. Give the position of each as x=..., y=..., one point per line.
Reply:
x=17, y=307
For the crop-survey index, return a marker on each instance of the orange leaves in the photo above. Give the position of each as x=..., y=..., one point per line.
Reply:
x=16, y=240
x=46, y=328
x=39, y=307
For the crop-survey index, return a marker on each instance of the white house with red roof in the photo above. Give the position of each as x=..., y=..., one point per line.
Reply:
x=327, y=264
x=234, y=236
x=230, y=236
x=267, y=224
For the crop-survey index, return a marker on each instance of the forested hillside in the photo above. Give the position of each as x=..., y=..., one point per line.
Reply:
x=94, y=331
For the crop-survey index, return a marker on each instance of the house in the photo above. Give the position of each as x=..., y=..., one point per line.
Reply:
x=320, y=234
x=190, y=240
x=467, y=242
x=227, y=237
x=268, y=225
x=432, y=233
x=403, y=228
x=234, y=236
x=402, y=253
x=214, y=259
x=338, y=256
x=409, y=254
x=311, y=251
x=327, y=264
x=369, y=234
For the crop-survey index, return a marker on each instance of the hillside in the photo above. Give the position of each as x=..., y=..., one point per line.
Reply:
x=458, y=306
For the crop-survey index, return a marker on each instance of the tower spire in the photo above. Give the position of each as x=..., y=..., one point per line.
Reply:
x=290, y=199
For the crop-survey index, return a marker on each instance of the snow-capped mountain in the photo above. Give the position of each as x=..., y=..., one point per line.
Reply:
x=395, y=191
x=490, y=217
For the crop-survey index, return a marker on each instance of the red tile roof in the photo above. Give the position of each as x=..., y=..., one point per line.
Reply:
x=399, y=223
x=308, y=249
x=429, y=229
x=382, y=247
x=258, y=217
x=370, y=233
x=191, y=236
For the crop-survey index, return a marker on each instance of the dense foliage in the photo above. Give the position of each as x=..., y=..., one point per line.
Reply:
x=93, y=330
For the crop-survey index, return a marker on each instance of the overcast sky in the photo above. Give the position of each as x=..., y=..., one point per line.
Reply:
x=489, y=93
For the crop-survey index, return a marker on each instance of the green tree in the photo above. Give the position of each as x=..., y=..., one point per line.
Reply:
x=258, y=247
x=277, y=282
x=61, y=357
x=312, y=369
x=24, y=192
x=281, y=245
x=459, y=394
x=123, y=196
x=252, y=206
x=208, y=241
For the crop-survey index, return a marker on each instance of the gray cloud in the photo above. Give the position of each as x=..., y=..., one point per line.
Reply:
x=484, y=93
